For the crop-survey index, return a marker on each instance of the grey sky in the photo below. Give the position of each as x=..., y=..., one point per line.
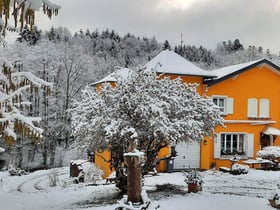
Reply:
x=202, y=22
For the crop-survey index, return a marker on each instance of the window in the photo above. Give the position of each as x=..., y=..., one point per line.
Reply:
x=258, y=112
x=224, y=103
x=232, y=144
x=228, y=144
x=220, y=102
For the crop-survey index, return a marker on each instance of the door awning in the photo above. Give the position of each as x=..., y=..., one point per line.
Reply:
x=271, y=131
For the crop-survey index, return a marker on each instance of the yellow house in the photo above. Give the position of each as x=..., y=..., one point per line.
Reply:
x=248, y=96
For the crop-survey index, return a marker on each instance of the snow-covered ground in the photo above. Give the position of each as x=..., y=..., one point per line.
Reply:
x=220, y=191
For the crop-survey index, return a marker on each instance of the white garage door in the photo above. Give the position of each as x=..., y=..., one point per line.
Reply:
x=188, y=156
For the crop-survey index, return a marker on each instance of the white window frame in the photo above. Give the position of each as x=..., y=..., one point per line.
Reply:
x=231, y=143
x=248, y=145
x=227, y=107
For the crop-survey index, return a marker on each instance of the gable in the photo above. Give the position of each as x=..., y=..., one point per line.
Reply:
x=235, y=70
x=257, y=80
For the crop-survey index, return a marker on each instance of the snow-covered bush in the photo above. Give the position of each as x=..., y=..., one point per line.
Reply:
x=270, y=152
x=92, y=173
x=193, y=177
x=85, y=171
x=234, y=159
x=239, y=169
x=53, y=178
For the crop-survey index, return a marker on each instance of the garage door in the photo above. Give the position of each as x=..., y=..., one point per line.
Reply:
x=188, y=156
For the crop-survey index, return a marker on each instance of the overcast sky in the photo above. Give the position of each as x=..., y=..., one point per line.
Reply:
x=202, y=22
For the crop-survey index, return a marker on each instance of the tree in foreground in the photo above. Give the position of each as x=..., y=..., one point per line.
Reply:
x=13, y=103
x=145, y=111
x=13, y=82
x=23, y=12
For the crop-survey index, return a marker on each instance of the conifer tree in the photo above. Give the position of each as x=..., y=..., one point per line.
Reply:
x=166, y=45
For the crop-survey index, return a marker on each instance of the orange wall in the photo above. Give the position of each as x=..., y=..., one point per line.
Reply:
x=102, y=161
x=205, y=153
x=255, y=83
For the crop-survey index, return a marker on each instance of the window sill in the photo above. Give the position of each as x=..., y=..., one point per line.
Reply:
x=227, y=157
x=259, y=118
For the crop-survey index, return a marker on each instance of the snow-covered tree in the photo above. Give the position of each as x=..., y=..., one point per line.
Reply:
x=15, y=123
x=30, y=36
x=143, y=111
x=12, y=121
x=23, y=12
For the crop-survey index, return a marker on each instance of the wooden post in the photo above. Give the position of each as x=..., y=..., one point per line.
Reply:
x=134, y=185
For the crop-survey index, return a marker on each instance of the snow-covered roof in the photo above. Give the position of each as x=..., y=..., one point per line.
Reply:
x=171, y=63
x=271, y=131
x=2, y=150
x=222, y=72
x=78, y=162
x=230, y=71
x=167, y=62
x=122, y=73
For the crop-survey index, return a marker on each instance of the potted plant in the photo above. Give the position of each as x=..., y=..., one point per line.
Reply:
x=194, y=181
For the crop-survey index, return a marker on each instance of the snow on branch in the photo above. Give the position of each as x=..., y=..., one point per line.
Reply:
x=32, y=78
x=12, y=119
x=146, y=105
x=23, y=11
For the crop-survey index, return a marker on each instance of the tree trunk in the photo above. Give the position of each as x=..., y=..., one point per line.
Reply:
x=134, y=186
x=121, y=180
x=52, y=153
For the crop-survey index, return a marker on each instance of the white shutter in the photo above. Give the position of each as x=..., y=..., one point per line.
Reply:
x=264, y=108
x=250, y=145
x=229, y=108
x=252, y=107
x=217, y=146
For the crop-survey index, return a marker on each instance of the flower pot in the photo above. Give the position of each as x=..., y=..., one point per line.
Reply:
x=194, y=188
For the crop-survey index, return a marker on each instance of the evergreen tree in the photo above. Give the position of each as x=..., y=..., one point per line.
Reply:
x=24, y=35
x=166, y=45
x=237, y=45
x=31, y=37
x=52, y=35
x=260, y=50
